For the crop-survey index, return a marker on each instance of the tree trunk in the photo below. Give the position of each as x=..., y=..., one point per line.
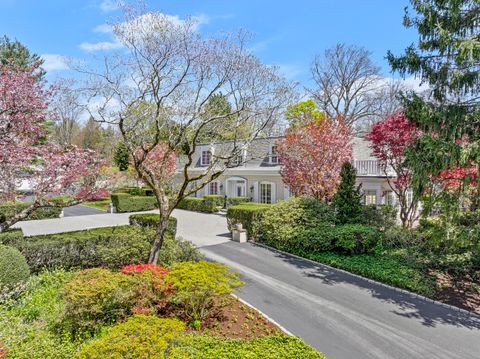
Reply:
x=158, y=242
x=16, y=218
x=165, y=211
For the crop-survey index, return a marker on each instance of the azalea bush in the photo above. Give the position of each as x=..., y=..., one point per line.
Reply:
x=95, y=298
x=150, y=287
x=199, y=286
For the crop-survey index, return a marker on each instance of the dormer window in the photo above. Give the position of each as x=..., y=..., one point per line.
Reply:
x=206, y=159
x=273, y=155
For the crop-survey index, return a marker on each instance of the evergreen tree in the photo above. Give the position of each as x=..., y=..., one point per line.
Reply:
x=348, y=199
x=447, y=58
x=14, y=52
x=120, y=157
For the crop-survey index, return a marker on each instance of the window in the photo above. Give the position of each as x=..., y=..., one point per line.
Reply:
x=266, y=193
x=273, y=155
x=206, y=158
x=370, y=197
x=213, y=188
x=388, y=198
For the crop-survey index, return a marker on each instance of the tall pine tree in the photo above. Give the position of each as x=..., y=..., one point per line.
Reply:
x=348, y=199
x=447, y=59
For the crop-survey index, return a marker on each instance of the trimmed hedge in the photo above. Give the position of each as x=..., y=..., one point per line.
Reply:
x=272, y=347
x=11, y=235
x=249, y=215
x=140, y=336
x=125, y=202
x=135, y=191
x=217, y=199
x=233, y=201
x=13, y=267
x=197, y=205
x=152, y=220
x=7, y=211
x=111, y=247
x=283, y=223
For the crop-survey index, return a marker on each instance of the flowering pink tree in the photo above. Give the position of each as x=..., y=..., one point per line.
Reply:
x=312, y=155
x=25, y=152
x=389, y=140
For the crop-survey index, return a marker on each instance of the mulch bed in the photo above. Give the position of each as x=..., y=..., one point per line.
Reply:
x=236, y=320
x=464, y=293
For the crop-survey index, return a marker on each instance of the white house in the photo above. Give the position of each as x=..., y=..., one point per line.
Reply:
x=258, y=174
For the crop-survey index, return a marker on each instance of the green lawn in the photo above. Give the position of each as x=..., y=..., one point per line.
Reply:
x=389, y=268
x=102, y=205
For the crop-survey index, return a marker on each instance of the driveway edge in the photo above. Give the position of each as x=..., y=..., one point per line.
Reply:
x=415, y=295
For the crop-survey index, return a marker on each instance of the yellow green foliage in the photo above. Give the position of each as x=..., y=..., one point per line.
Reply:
x=140, y=336
x=95, y=297
x=199, y=284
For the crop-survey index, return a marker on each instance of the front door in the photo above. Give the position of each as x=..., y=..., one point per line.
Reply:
x=239, y=189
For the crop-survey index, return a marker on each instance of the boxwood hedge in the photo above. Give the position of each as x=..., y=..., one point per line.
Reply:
x=125, y=202
x=151, y=220
x=197, y=205
x=249, y=215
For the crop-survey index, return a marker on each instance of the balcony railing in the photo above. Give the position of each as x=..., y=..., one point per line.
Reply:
x=368, y=167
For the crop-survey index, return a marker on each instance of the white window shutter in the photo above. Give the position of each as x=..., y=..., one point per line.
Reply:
x=274, y=192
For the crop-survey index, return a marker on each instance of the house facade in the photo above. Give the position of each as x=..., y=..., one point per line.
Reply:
x=258, y=174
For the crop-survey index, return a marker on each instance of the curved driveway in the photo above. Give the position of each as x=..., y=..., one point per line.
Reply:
x=343, y=316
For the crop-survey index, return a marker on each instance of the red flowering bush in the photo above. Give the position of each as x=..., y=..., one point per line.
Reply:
x=137, y=268
x=152, y=291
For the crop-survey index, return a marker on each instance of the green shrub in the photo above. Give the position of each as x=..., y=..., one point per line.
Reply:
x=197, y=205
x=199, y=285
x=9, y=210
x=233, y=201
x=11, y=236
x=356, y=238
x=381, y=217
x=13, y=267
x=139, y=337
x=397, y=237
x=110, y=247
x=273, y=347
x=125, y=202
x=178, y=250
x=97, y=297
x=152, y=220
x=316, y=239
x=249, y=215
x=217, y=199
x=282, y=222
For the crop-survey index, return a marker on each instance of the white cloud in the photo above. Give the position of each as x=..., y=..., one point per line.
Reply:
x=104, y=29
x=53, y=62
x=108, y=5
x=100, y=46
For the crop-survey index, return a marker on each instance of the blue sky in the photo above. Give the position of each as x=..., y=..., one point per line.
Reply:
x=287, y=33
